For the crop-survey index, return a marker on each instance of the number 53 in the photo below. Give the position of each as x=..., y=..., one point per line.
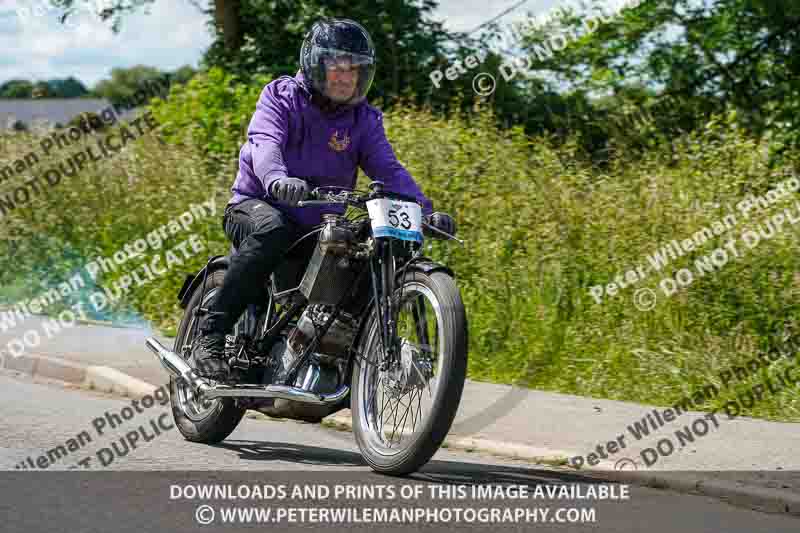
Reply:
x=395, y=221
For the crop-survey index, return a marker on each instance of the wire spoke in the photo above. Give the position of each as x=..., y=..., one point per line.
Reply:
x=403, y=383
x=405, y=416
x=393, y=412
x=414, y=419
x=419, y=409
x=403, y=421
x=383, y=407
x=394, y=419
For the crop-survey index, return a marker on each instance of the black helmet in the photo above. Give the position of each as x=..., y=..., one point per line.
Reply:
x=335, y=44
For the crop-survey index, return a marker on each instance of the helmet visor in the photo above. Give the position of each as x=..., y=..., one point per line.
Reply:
x=334, y=59
x=346, y=76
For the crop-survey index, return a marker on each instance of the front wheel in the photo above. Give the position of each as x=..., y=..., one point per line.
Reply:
x=402, y=412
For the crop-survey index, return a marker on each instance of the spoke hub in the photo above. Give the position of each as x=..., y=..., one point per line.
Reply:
x=413, y=371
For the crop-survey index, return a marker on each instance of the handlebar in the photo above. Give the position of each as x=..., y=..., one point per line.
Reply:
x=352, y=197
x=310, y=203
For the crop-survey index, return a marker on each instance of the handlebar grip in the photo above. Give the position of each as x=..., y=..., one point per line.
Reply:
x=311, y=196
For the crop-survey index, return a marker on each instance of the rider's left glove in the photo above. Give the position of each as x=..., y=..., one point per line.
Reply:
x=442, y=222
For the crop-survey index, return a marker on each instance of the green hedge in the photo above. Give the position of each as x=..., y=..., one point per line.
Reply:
x=541, y=228
x=210, y=113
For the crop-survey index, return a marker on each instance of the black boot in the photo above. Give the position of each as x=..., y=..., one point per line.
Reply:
x=209, y=356
x=208, y=348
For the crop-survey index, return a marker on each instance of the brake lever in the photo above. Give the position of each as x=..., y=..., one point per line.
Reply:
x=437, y=230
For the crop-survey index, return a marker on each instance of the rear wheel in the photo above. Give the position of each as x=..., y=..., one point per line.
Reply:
x=200, y=420
x=402, y=413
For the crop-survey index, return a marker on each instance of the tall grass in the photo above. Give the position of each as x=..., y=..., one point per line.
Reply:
x=541, y=226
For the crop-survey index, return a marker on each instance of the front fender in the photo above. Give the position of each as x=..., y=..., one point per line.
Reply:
x=192, y=281
x=428, y=266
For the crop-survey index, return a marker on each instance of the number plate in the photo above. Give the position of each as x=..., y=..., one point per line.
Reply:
x=395, y=218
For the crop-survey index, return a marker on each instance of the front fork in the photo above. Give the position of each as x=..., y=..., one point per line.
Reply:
x=383, y=286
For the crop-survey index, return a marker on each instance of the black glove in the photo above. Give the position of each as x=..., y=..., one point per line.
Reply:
x=443, y=222
x=288, y=191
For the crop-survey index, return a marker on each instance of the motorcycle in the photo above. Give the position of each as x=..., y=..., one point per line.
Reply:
x=368, y=323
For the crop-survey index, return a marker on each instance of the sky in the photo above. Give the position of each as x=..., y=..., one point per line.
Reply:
x=35, y=46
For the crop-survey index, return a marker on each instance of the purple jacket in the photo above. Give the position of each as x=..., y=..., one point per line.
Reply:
x=289, y=136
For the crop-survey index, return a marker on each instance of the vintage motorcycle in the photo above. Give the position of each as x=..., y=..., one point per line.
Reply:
x=368, y=323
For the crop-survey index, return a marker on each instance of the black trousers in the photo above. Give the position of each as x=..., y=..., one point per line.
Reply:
x=262, y=235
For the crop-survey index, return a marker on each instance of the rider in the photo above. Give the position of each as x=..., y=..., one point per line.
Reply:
x=311, y=130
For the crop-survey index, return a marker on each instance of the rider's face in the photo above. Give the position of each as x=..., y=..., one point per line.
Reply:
x=342, y=79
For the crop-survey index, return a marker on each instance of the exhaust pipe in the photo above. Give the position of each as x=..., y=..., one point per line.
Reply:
x=177, y=367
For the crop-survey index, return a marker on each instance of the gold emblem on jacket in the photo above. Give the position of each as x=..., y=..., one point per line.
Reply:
x=339, y=143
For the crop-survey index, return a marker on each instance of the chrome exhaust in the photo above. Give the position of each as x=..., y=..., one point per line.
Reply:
x=276, y=391
x=177, y=367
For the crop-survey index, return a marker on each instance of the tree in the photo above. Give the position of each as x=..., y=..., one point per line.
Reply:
x=406, y=40
x=55, y=88
x=67, y=88
x=41, y=89
x=225, y=14
x=126, y=82
x=228, y=22
x=264, y=36
x=182, y=75
x=16, y=89
x=699, y=56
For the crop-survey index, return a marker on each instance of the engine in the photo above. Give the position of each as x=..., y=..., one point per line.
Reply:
x=326, y=281
x=322, y=372
x=336, y=340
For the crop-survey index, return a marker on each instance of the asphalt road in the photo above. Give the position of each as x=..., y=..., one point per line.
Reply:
x=132, y=492
x=755, y=452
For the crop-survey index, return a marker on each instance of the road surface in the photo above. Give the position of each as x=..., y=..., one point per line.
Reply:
x=132, y=491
